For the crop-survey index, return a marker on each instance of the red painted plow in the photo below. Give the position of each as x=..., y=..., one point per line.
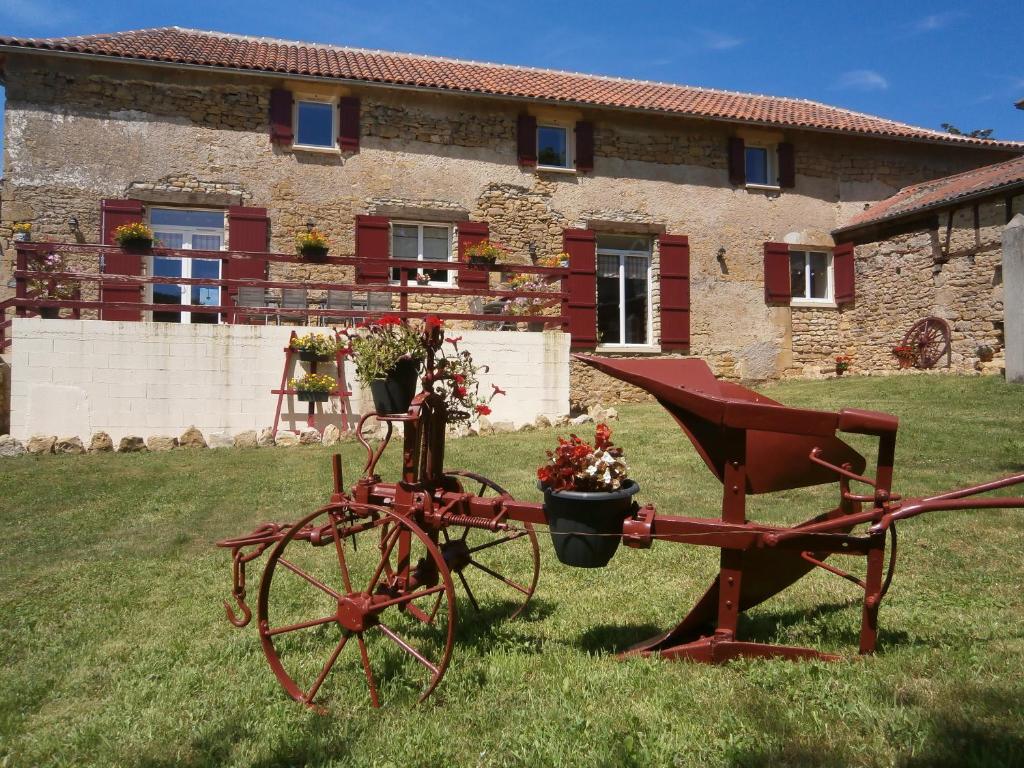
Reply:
x=366, y=584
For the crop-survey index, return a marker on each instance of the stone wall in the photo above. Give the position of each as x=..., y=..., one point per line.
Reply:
x=84, y=376
x=79, y=132
x=908, y=277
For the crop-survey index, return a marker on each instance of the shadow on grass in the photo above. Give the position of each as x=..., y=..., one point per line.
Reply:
x=483, y=628
x=615, y=638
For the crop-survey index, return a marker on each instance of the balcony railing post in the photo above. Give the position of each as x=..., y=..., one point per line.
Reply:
x=565, y=301
x=20, y=283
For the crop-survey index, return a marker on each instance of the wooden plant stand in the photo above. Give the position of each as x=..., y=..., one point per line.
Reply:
x=342, y=392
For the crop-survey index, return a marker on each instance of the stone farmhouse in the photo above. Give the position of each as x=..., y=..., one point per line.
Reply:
x=726, y=225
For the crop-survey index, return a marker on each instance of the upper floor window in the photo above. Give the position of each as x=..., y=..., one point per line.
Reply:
x=623, y=290
x=810, y=275
x=314, y=124
x=422, y=242
x=554, y=146
x=761, y=162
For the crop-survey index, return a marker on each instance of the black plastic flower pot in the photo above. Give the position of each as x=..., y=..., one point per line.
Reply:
x=307, y=396
x=586, y=526
x=307, y=356
x=394, y=393
x=315, y=253
x=137, y=245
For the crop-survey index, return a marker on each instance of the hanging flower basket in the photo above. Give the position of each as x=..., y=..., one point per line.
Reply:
x=315, y=347
x=49, y=313
x=134, y=237
x=314, y=253
x=586, y=526
x=312, y=396
x=312, y=246
x=394, y=392
x=313, y=388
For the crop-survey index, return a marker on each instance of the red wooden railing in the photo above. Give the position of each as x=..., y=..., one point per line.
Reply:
x=31, y=269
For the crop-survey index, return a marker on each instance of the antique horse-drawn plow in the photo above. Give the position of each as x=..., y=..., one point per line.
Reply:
x=377, y=567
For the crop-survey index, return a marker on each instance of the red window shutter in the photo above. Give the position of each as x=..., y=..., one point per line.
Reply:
x=281, y=117
x=584, y=146
x=787, y=165
x=373, y=247
x=248, y=230
x=581, y=245
x=114, y=213
x=527, y=140
x=777, y=285
x=737, y=161
x=843, y=273
x=471, y=233
x=348, y=124
x=674, y=257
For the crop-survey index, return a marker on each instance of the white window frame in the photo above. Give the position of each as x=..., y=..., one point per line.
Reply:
x=570, y=146
x=310, y=99
x=186, y=263
x=772, y=153
x=419, y=249
x=830, y=285
x=621, y=254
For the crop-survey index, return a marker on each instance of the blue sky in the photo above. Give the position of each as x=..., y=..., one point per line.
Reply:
x=919, y=62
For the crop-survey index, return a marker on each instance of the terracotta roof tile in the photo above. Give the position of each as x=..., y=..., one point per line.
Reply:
x=188, y=46
x=940, y=192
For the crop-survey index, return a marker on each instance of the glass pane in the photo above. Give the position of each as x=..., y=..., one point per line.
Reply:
x=608, y=331
x=624, y=243
x=797, y=274
x=206, y=243
x=169, y=239
x=551, y=146
x=436, y=247
x=182, y=217
x=208, y=296
x=757, y=165
x=404, y=245
x=636, y=300
x=316, y=124
x=819, y=275
x=166, y=294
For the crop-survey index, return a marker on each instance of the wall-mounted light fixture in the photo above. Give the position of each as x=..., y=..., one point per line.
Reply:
x=310, y=224
x=532, y=248
x=720, y=257
x=73, y=223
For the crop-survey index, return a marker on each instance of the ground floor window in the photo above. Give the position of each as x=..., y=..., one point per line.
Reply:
x=810, y=275
x=190, y=230
x=422, y=242
x=623, y=290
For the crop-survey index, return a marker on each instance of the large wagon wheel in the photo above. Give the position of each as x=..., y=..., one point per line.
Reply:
x=356, y=575
x=504, y=565
x=929, y=339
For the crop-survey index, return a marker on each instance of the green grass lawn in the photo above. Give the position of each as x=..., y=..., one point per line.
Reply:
x=114, y=649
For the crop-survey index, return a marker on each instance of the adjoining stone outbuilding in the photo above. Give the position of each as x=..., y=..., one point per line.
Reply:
x=932, y=249
x=698, y=221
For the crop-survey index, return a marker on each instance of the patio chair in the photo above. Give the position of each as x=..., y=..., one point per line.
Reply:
x=250, y=297
x=478, y=307
x=294, y=298
x=337, y=300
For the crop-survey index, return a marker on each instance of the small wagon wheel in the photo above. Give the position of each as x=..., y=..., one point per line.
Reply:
x=355, y=575
x=929, y=339
x=504, y=565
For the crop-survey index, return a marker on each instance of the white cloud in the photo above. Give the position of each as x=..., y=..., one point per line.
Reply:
x=716, y=41
x=861, y=80
x=935, y=21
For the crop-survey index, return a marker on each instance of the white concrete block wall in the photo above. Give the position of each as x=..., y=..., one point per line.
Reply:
x=77, y=377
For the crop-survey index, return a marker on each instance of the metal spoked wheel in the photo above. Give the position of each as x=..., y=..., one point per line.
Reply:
x=341, y=607
x=929, y=339
x=502, y=566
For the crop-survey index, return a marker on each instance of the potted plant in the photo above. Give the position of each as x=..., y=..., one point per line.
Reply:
x=50, y=287
x=134, y=237
x=452, y=374
x=586, y=498
x=985, y=353
x=904, y=355
x=22, y=232
x=843, y=364
x=315, y=347
x=522, y=305
x=388, y=354
x=314, y=387
x=312, y=245
x=558, y=260
x=485, y=252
